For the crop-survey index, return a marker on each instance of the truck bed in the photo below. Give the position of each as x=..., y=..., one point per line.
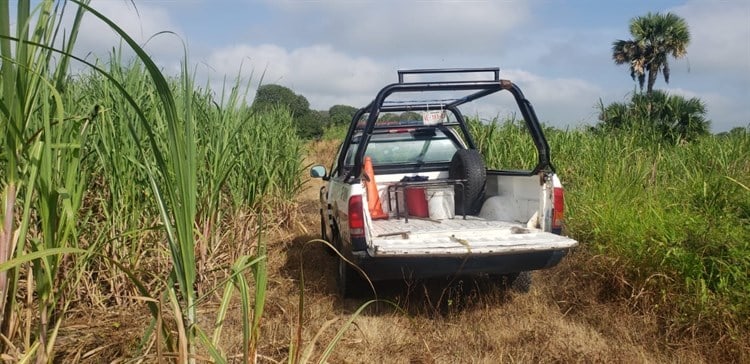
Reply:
x=450, y=237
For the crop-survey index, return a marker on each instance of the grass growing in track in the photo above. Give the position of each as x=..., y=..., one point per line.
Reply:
x=677, y=216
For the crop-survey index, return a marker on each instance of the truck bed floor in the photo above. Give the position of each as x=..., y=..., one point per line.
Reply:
x=460, y=237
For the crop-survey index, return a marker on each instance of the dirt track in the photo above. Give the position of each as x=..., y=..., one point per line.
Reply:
x=570, y=315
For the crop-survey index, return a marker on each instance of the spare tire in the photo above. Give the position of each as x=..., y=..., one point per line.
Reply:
x=468, y=164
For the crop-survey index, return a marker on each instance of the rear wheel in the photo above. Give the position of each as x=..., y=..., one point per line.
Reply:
x=348, y=281
x=345, y=279
x=519, y=282
x=324, y=235
x=323, y=226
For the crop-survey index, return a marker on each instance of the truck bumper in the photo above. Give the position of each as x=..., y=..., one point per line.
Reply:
x=418, y=267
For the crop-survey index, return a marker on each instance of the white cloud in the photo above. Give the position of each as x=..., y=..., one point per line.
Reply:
x=724, y=112
x=558, y=101
x=720, y=32
x=407, y=28
x=320, y=73
x=326, y=76
x=141, y=23
x=685, y=93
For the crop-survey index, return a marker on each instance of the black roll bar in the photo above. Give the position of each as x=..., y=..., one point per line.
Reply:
x=482, y=87
x=494, y=70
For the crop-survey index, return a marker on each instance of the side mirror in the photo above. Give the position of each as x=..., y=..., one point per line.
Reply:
x=319, y=172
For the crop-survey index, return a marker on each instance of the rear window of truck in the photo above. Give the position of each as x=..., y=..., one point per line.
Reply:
x=406, y=147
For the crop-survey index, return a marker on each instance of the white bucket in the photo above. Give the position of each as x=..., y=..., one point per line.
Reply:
x=440, y=203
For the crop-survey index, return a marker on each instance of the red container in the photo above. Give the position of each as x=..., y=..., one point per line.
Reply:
x=416, y=202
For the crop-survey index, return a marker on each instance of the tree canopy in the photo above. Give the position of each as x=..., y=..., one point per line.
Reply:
x=673, y=117
x=655, y=37
x=274, y=95
x=309, y=123
x=341, y=114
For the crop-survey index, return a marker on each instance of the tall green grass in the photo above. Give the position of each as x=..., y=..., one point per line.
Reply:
x=148, y=164
x=43, y=181
x=677, y=215
x=504, y=144
x=173, y=180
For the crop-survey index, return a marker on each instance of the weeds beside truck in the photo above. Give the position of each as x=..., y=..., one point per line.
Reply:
x=409, y=197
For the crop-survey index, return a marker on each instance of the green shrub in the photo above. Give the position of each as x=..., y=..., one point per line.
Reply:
x=672, y=117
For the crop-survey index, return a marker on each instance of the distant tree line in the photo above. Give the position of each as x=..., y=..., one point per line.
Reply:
x=310, y=123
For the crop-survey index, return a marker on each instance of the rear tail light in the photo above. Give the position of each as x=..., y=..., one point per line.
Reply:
x=558, y=208
x=356, y=217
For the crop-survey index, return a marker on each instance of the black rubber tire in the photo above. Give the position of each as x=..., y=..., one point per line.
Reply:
x=345, y=280
x=323, y=226
x=468, y=164
x=348, y=281
x=334, y=232
x=519, y=282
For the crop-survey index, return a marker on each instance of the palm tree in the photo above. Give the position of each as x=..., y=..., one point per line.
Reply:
x=655, y=37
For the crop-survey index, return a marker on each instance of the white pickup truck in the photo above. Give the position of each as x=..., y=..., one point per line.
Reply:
x=411, y=198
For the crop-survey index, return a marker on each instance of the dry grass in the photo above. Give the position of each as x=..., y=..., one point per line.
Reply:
x=574, y=313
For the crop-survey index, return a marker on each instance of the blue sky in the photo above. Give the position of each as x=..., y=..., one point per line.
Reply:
x=342, y=52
